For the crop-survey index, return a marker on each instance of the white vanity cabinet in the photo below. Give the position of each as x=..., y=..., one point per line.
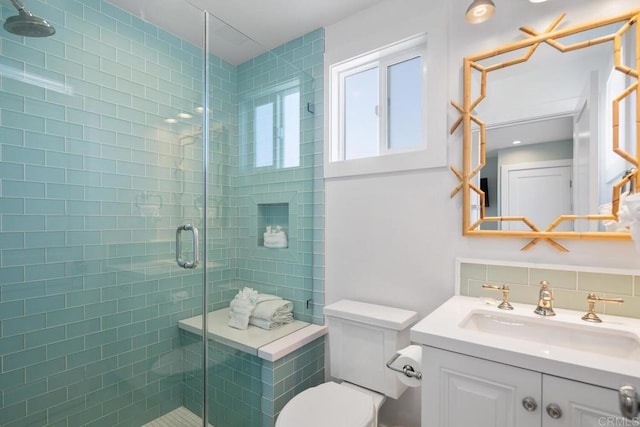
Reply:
x=460, y=390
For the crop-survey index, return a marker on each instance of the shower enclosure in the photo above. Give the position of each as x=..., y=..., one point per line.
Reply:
x=129, y=150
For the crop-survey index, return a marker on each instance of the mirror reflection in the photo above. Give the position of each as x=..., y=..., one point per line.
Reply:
x=549, y=132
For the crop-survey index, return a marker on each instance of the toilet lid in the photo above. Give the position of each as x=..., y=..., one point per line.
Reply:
x=328, y=404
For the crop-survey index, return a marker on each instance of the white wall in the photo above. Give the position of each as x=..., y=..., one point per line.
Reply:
x=393, y=238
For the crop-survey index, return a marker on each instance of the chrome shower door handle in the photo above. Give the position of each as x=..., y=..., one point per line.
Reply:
x=196, y=247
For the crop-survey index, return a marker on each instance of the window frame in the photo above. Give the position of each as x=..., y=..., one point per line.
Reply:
x=382, y=59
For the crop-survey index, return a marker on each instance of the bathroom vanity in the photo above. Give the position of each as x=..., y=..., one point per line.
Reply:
x=487, y=367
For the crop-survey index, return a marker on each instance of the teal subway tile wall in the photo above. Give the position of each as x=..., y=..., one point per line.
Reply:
x=285, y=179
x=94, y=181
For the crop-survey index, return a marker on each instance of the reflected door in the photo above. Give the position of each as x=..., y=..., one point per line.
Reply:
x=540, y=191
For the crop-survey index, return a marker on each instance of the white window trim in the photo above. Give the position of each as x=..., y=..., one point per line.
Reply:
x=431, y=154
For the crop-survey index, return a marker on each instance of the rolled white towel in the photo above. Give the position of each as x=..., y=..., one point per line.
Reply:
x=242, y=306
x=272, y=309
x=238, y=321
x=268, y=297
x=269, y=324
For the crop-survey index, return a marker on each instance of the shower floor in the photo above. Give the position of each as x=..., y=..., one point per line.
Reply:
x=181, y=417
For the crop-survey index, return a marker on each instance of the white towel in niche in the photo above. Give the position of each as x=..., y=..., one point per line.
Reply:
x=275, y=240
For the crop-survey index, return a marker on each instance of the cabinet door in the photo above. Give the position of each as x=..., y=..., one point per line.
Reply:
x=582, y=405
x=459, y=391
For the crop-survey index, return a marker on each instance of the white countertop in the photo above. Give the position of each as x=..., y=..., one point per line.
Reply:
x=442, y=329
x=266, y=344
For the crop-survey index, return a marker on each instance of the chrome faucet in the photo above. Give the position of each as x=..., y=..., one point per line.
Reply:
x=545, y=304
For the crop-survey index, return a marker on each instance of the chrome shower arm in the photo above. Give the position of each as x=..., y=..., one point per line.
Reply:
x=20, y=7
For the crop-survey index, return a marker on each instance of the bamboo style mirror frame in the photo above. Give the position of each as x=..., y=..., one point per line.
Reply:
x=469, y=176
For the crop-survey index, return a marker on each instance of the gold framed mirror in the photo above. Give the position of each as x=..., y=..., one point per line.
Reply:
x=570, y=94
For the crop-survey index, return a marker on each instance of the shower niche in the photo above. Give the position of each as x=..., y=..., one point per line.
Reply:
x=273, y=225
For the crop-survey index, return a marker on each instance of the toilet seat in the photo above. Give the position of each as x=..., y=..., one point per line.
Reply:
x=329, y=404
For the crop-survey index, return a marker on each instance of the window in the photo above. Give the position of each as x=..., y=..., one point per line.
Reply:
x=271, y=128
x=379, y=102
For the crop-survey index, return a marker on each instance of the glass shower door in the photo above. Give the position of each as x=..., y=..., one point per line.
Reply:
x=102, y=164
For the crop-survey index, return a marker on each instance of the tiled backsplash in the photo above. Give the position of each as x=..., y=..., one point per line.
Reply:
x=570, y=284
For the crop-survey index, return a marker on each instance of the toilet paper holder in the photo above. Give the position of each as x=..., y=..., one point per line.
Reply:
x=407, y=370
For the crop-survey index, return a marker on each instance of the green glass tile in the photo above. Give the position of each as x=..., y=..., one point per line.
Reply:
x=43, y=109
x=603, y=282
x=18, y=394
x=47, y=400
x=83, y=117
x=23, y=358
x=66, y=129
x=44, y=304
x=23, y=89
x=64, y=66
x=61, y=317
x=100, y=309
x=44, y=369
x=13, y=379
x=11, y=309
x=23, y=155
x=12, y=171
x=12, y=102
x=22, y=53
x=116, y=348
x=12, y=344
x=85, y=358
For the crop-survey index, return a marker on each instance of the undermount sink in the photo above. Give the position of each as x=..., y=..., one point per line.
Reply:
x=595, y=339
x=564, y=345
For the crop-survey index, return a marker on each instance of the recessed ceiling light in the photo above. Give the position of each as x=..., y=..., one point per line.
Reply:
x=185, y=115
x=479, y=11
x=199, y=110
x=537, y=1
x=516, y=142
x=170, y=121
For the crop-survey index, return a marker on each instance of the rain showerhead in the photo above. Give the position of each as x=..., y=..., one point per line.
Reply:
x=26, y=24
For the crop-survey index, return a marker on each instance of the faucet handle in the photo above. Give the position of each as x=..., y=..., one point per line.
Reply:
x=504, y=305
x=544, y=285
x=545, y=300
x=592, y=298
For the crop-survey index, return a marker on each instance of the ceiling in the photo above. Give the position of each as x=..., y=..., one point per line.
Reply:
x=243, y=28
x=530, y=132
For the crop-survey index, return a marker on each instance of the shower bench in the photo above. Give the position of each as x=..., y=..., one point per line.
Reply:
x=264, y=368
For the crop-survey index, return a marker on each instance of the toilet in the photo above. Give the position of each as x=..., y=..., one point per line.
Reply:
x=362, y=338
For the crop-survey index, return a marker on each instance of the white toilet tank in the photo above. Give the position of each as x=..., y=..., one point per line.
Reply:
x=362, y=338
